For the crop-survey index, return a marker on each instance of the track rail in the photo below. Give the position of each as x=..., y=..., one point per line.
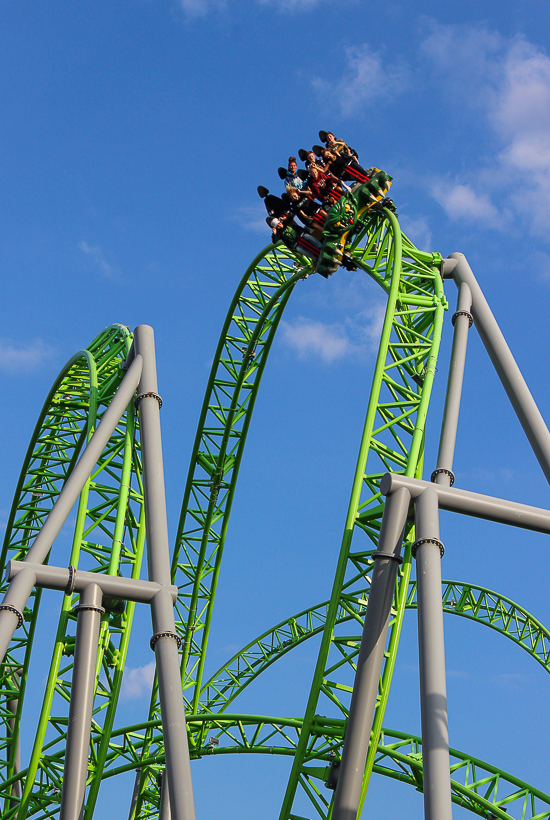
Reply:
x=109, y=536
x=469, y=601
x=476, y=785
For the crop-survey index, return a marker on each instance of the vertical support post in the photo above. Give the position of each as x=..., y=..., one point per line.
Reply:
x=12, y=709
x=428, y=550
x=81, y=705
x=165, y=640
x=462, y=320
x=135, y=793
x=164, y=813
x=371, y=656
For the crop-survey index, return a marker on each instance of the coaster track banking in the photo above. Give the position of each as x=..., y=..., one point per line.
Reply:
x=109, y=536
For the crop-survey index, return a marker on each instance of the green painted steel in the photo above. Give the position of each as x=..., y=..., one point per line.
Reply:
x=466, y=600
x=476, y=785
x=109, y=536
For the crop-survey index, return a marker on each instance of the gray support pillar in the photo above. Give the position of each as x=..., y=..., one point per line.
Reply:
x=433, y=688
x=12, y=709
x=164, y=813
x=503, y=361
x=19, y=590
x=158, y=550
x=82, y=700
x=178, y=764
x=135, y=794
x=443, y=474
x=371, y=656
x=165, y=639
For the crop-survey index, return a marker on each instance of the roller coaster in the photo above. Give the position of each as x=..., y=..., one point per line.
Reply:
x=94, y=443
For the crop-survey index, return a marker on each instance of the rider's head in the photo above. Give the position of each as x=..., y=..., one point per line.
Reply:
x=292, y=165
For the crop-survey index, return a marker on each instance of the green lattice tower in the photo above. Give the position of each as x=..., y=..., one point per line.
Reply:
x=109, y=536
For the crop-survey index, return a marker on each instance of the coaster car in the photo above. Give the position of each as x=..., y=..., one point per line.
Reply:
x=343, y=217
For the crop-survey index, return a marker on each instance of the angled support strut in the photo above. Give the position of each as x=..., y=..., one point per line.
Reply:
x=457, y=267
x=371, y=656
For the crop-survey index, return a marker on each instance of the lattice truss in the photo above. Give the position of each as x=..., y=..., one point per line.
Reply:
x=109, y=537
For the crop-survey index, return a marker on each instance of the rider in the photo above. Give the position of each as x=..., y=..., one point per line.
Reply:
x=307, y=210
x=324, y=187
x=295, y=238
x=337, y=146
x=292, y=177
x=344, y=167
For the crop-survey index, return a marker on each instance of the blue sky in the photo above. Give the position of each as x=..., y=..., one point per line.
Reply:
x=133, y=136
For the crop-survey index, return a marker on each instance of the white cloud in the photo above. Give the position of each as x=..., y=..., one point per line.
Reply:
x=17, y=358
x=542, y=265
x=138, y=682
x=354, y=338
x=252, y=218
x=507, y=81
x=364, y=79
x=98, y=258
x=311, y=338
x=417, y=229
x=200, y=8
x=457, y=673
x=369, y=324
x=291, y=5
x=462, y=202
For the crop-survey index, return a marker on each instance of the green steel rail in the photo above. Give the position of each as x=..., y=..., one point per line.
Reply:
x=109, y=537
x=476, y=785
x=394, y=434
x=466, y=600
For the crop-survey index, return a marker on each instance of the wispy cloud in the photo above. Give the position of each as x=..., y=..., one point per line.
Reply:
x=462, y=202
x=365, y=78
x=353, y=338
x=138, y=682
x=200, y=8
x=252, y=218
x=513, y=681
x=20, y=358
x=98, y=259
x=291, y=5
x=506, y=81
x=417, y=229
x=312, y=338
x=458, y=673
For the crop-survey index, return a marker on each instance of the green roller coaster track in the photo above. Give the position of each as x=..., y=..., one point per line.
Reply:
x=109, y=536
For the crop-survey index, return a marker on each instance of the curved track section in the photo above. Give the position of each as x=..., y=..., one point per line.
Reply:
x=469, y=601
x=393, y=435
x=108, y=536
x=476, y=785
